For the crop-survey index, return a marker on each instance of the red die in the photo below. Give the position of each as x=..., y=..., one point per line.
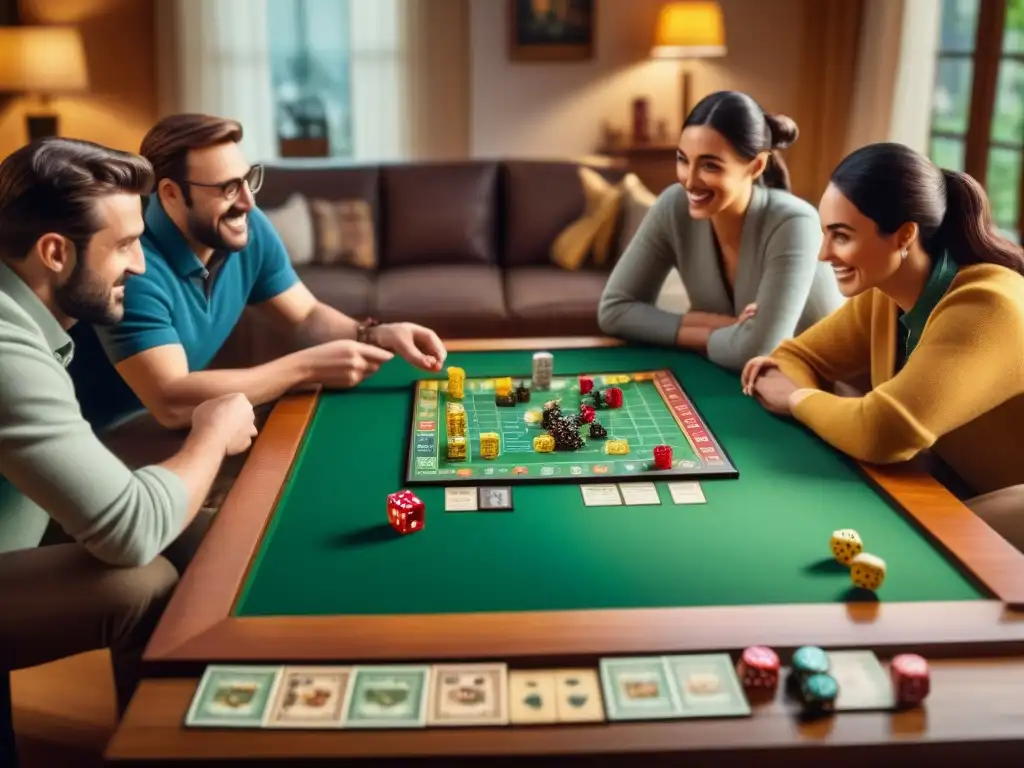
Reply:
x=586, y=413
x=613, y=397
x=663, y=456
x=405, y=512
x=758, y=667
x=910, y=678
x=586, y=384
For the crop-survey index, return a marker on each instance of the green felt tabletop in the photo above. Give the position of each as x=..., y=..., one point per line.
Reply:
x=761, y=538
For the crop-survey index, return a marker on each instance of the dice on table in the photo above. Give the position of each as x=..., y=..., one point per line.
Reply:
x=867, y=571
x=846, y=545
x=663, y=456
x=613, y=397
x=758, y=667
x=587, y=413
x=586, y=384
x=406, y=512
x=910, y=678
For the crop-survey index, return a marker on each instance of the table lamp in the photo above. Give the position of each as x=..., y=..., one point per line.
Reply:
x=689, y=29
x=43, y=61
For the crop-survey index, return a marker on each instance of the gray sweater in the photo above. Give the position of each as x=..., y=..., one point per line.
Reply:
x=778, y=270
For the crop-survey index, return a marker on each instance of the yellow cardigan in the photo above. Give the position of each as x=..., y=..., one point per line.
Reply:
x=961, y=393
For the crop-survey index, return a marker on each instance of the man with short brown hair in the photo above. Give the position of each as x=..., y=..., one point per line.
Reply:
x=211, y=252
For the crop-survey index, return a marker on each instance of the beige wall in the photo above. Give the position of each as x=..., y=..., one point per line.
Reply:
x=522, y=109
x=119, y=45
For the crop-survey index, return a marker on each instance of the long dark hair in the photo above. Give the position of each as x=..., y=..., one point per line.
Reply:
x=749, y=129
x=892, y=184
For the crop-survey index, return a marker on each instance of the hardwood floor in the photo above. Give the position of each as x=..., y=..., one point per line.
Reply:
x=64, y=712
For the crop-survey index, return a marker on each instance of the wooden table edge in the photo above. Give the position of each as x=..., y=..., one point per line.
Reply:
x=199, y=615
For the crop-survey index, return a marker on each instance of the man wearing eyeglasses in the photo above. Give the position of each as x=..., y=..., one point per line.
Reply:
x=210, y=252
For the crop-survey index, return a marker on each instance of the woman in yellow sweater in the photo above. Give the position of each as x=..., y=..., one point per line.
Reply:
x=935, y=318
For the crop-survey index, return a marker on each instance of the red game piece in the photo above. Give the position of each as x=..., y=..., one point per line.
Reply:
x=613, y=397
x=663, y=456
x=586, y=384
x=758, y=667
x=406, y=512
x=910, y=678
x=586, y=412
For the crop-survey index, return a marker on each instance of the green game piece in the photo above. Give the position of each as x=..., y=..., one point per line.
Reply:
x=819, y=691
x=810, y=660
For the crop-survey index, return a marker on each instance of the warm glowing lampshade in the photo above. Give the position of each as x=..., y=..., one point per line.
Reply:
x=689, y=29
x=44, y=60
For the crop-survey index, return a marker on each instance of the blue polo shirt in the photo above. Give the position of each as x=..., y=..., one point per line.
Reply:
x=178, y=300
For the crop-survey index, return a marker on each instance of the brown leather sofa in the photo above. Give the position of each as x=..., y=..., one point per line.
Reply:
x=462, y=247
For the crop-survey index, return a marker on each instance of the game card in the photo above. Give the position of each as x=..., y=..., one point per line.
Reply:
x=601, y=495
x=635, y=494
x=686, y=493
x=638, y=689
x=707, y=685
x=863, y=683
x=460, y=499
x=495, y=498
x=531, y=697
x=387, y=697
x=468, y=694
x=232, y=697
x=578, y=696
x=310, y=697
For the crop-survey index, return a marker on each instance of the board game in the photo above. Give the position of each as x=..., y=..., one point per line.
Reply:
x=569, y=428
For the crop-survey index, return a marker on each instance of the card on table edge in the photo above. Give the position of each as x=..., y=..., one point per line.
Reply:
x=669, y=706
x=590, y=711
x=358, y=672
x=522, y=713
x=500, y=672
x=602, y=495
x=490, y=497
x=269, y=676
x=336, y=720
x=687, y=493
x=724, y=671
x=853, y=669
x=639, y=494
x=460, y=499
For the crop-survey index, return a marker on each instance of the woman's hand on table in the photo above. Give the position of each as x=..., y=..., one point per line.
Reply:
x=420, y=346
x=698, y=319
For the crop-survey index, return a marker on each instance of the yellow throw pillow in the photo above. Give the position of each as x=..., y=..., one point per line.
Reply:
x=594, y=232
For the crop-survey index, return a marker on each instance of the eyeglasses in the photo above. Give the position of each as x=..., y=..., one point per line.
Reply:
x=233, y=187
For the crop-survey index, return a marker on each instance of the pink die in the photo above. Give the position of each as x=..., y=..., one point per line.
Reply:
x=406, y=512
x=758, y=668
x=910, y=678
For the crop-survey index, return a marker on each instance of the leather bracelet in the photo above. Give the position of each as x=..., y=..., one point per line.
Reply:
x=364, y=333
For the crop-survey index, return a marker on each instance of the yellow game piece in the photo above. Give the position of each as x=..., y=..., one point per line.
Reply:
x=490, y=445
x=455, y=419
x=543, y=443
x=846, y=545
x=503, y=386
x=867, y=571
x=533, y=416
x=616, y=446
x=456, y=382
x=456, y=447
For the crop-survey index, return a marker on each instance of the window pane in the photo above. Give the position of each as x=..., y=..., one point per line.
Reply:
x=1013, y=40
x=948, y=153
x=1008, y=116
x=1004, y=185
x=959, y=22
x=951, y=102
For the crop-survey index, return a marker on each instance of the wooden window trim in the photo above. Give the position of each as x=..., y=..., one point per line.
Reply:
x=988, y=50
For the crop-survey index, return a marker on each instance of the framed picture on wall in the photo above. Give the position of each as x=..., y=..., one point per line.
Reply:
x=551, y=30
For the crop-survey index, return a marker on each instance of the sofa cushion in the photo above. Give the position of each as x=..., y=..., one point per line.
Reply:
x=552, y=292
x=419, y=293
x=321, y=181
x=439, y=213
x=348, y=289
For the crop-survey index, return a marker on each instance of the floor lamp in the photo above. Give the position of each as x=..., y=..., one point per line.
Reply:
x=689, y=29
x=42, y=61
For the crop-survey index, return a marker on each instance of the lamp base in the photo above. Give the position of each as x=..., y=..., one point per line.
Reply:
x=41, y=126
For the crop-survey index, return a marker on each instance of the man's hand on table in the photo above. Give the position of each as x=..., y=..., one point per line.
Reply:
x=420, y=346
x=342, y=364
x=231, y=418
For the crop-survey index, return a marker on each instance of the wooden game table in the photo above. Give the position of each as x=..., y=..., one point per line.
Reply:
x=301, y=567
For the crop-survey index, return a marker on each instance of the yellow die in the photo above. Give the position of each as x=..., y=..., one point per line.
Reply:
x=456, y=382
x=456, y=447
x=867, y=571
x=503, y=386
x=455, y=419
x=543, y=443
x=490, y=445
x=846, y=545
x=617, y=447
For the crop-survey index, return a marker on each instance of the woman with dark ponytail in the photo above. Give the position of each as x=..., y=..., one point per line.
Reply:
x=745, y=247
x=936, y=317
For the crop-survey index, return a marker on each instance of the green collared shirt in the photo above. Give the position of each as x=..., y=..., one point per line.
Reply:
x=912, y=323
x=52, y=465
